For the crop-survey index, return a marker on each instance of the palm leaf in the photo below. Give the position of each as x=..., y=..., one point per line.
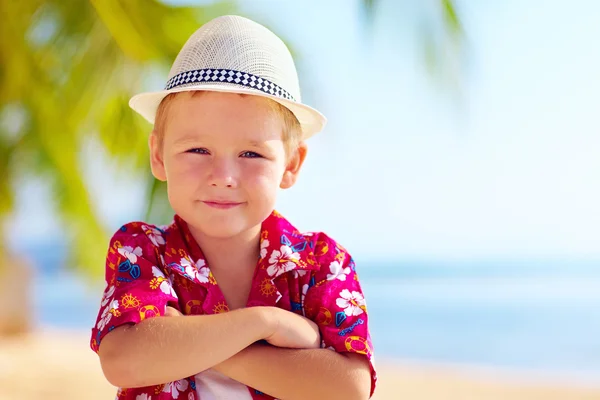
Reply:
x=71, y=66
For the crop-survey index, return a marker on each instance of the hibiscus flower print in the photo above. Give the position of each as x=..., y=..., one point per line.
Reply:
x=155, y=235
x=263, y=248
x=143, y=396
x=175, y=387
x=198, y=271
x=203, y=271
x=353, y=303
x=110, y=310
x=303, y=296
x=160, y=281
x=337, y=271
x=299, y=273
x=131, y=253
x=282, y=260
x=108, y=295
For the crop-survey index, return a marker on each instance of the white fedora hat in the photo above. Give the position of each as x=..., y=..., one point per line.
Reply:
x=236, y=55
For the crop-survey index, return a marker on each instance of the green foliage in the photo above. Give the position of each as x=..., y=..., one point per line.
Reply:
x=67, y=71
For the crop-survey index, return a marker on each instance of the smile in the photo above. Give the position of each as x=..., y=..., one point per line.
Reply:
x=222, y=204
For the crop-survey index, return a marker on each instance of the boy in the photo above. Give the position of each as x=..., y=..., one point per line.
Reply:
x=230, y=301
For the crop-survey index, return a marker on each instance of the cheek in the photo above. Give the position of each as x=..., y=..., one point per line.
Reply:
x=182, y=182
x=185, y=168
x=262, y=175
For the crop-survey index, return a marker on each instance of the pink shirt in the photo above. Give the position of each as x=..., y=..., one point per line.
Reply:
x=149, y=267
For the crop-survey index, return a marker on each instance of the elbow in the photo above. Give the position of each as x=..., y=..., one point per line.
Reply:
x=359, y=382
x=361, y=391
x=119, y=367
x=117, y=371
x=356, y=387
x=364, y=389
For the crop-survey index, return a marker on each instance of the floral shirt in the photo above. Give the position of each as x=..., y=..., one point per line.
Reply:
x=149, y=268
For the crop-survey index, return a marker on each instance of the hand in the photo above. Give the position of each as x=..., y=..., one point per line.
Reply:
x=172, y=312
x=292, y=330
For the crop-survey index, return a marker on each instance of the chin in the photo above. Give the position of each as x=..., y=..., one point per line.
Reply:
x=223, y=224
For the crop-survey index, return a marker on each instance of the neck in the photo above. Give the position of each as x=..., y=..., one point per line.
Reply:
x=220, y=254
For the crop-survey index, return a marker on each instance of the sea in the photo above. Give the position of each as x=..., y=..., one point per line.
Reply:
x=540, y=317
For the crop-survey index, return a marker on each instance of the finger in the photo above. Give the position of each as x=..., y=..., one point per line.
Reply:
x=172, y=312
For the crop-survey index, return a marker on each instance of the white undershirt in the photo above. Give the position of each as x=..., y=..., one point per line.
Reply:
x=212, y=385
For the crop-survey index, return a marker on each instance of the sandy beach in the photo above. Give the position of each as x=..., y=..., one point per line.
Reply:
x=59, y=365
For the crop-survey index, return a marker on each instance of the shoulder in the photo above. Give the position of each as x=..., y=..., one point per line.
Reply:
x=322, y=244
x=140, y=232
x=319, y=250
x=329, y=254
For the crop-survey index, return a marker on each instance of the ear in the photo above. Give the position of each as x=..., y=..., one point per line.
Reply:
x=156, y=157
x=292, y=169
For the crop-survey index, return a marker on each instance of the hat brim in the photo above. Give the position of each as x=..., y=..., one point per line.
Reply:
x=311, y=120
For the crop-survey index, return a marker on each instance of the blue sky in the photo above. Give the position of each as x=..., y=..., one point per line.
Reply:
x=405, y=169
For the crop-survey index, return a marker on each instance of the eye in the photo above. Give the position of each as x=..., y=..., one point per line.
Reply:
x=250, y=154
x=200, y=150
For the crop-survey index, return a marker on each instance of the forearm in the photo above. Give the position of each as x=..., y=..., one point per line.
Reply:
x=163, y=349
x=300, y=374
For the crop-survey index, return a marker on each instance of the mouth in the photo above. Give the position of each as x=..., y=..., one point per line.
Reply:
x=221, y=204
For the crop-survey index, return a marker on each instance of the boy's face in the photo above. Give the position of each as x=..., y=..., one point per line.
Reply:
x=224, y=160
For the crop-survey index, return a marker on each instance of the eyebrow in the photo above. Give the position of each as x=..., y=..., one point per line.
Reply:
x=186, y=139
x=257, y=143
x=195, y=138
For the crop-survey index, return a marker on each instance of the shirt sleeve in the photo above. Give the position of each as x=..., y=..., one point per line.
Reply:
x=136, y=284
x=335, y=301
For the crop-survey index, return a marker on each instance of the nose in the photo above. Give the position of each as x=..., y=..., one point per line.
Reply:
x=223, y=173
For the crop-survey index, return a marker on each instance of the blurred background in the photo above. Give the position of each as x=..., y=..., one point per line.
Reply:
x=459, y=166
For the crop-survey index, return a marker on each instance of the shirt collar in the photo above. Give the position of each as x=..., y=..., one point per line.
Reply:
x=282, y=249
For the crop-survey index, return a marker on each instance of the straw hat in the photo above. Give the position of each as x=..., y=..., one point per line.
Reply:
x=236, y=55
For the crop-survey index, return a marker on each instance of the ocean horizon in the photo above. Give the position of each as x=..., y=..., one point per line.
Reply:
x=539, y=316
